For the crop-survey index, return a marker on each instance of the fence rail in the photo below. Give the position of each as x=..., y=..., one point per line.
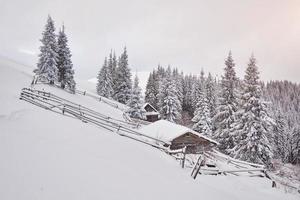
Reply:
x=98, y=98
x=63, y=106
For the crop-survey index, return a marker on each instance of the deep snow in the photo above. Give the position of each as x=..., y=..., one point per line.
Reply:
x=49, y=156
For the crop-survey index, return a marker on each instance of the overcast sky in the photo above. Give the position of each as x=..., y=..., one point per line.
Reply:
x=186, y=34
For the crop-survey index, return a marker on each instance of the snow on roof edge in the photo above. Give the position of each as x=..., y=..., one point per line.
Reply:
x=175, y=130
x=150, y=106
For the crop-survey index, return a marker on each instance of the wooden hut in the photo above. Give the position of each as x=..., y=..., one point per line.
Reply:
x=152, y=114
x=178, y=136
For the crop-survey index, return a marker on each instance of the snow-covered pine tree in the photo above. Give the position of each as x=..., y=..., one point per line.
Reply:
x=104, y=85
x=161, y=73
x=211, y=95
x=178, y=78
x=280, y=136
x=169, y=104
x=64, y=62
x=123, y=84
x=202, y=77
x=151, y=93
x=253, y=125
x=227, y=106
x=202, y=120
x=47, y=64
x=187, y=93
x=112, y=65
x=135, y=104
x=197, y=89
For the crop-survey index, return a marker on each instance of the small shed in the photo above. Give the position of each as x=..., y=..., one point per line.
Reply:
x=152, y=114
x=178, y=136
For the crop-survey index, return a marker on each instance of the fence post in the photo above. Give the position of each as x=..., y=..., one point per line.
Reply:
x=183, y=159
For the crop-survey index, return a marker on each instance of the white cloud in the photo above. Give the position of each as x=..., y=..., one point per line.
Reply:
x=190, y=35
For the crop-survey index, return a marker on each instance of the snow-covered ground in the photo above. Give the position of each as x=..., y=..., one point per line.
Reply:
x=44, y=155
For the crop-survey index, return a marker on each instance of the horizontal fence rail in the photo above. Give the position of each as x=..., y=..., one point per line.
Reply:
x=63, y=106
x=97, y=98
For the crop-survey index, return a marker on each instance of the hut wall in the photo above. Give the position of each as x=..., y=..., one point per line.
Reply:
x=152, y=118
x=193, y=143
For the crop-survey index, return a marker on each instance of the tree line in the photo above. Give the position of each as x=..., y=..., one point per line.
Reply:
x=248, y=118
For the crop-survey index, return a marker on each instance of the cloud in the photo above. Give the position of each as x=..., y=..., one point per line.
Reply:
x=190, y=35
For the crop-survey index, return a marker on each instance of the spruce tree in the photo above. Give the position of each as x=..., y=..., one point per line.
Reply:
x=169, y=104
x=178, y=78
x=47, y=64
x=187, y=94
x=228, y=105
x=64, y=63
x=202, y=120
x=104, y=85
x=112, y=65
x=280, y=136
x=211, y=95
x=151, y=93
x=123, y=84
x=198, y=89
x=252, y=128
x=136, y=105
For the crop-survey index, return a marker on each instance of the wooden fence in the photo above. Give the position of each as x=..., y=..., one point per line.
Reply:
x=63, y=106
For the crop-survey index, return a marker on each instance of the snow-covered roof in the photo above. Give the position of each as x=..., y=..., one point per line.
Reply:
x=167, y=131
x=150, y=106
x=152, y=113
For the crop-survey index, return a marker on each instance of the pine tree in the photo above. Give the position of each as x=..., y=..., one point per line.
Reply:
x=227, y=107
x=64, y=63
x=198, y=89
x=47, y=64
x=253, y=126
x=187, y=94
x=211, y=95
x=169, y=104
x=202, y=119
x=280, y=136
x=136, y=108
x=112, y=65
x=123, y=84
x=151, y=93
x=104, y=85
x=178, y=78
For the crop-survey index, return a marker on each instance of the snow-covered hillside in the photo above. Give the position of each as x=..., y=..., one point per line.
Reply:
x=49, y=156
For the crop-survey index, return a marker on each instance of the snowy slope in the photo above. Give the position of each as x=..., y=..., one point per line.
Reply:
x=44, y=155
